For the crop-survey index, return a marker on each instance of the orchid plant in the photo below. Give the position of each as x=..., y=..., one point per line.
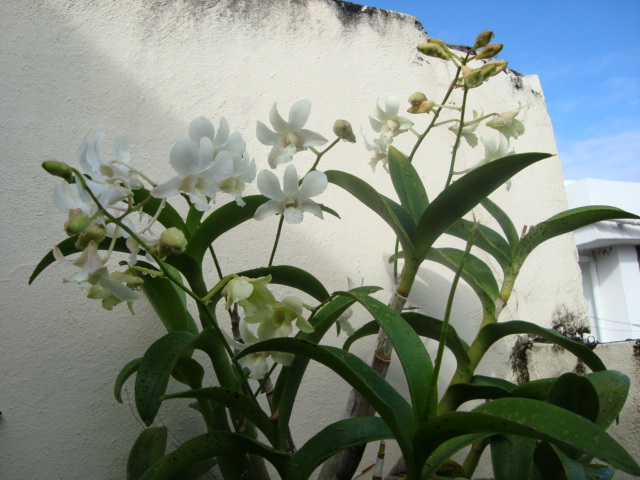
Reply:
x=530, y=429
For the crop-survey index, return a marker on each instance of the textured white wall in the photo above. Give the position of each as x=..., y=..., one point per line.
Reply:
x=146, y=69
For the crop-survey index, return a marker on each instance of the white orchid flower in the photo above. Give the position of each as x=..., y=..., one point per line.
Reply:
x=293, y=199
x=244, y=172
x=109, y=172
x=252, y=295
x=468, y=130
x=288, y=137
x=378, y=150
x=256, y=363
x=94, y=272
x=202, y=161
x=493, y=150
x=507, y=124
x=387, y=120
x=285, y=313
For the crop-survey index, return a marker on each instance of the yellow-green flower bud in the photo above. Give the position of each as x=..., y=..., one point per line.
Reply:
x=94, y=233
x=500, y=66
x=58, y=169
x=420, y=103
x=472, y=77
x=489, y=51
x=483, y=39
x=433, y=49
x=172, y=241
x=77, y=223
x=343, y=130
x=488, y=69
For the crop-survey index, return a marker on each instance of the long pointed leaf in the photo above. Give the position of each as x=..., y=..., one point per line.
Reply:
x=508, y=228
x=407, y=184
x=388, y=210
x=293, y=277
x=235, y=401
x=495, y=331
x=562, y=223
x=376, y=390
x=528, y=418
x=335, y=438
x=460, y=197
x=413, y=356
x=147, y=449
x=212, y=445
x=485, y=239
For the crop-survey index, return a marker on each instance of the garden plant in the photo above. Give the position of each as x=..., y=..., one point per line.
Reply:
x=131, y=235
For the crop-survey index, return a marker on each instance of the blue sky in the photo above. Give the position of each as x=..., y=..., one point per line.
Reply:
x=587, y=55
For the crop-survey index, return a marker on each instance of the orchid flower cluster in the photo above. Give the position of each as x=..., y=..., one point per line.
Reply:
x=115, y=209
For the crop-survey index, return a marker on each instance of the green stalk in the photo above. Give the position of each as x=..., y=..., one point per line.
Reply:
x=456, y=145
x=277, y=240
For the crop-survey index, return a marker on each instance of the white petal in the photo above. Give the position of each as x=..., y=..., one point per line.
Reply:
x=311, y=139
x=265, y=135
x=277, y=121
x=117, y=289
x=272, y=207
x=185, y=157
x=201, y=127
x=293, y=215
x=222, y=167
x=206, y=153
x=121, y=150
x=167, y=189
x=223, y=133
x=62, y=197
x=392, y=106
x=311, y=207
x=269, y=185
x=278, y=155
x=290, y=181
x=283, y=358
x=314, y=183
x=376, y=124
x=299, y=114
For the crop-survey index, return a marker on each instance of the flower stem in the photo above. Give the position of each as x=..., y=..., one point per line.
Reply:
x=456, y=145
x=277, y=240
x=320, y=154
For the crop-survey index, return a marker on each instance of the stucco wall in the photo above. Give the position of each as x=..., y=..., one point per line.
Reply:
x=146, y=69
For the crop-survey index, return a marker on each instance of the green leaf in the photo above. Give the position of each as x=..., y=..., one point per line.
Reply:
x=407, y=184
x=446, y=450
x=167, y=303
x=290, y=378
x=147, y=449
x=460, y=197
x=576, y=394
x=562, y=223
x=394, y=409
x=413, y=356
x=495, y=331
x=503, y=220
x=292, y=277
x=424, y=326
x=511, y=456
x=154, y=372
x=485, y=239
x=237, y=402
x=479, y=388
x=527, y=418
x=389, y=211
x=128, y=370
x=475, y=273
x=188, y=371
x=210, y=445
x=612, y=388
x=221, y=221
x=335, y=438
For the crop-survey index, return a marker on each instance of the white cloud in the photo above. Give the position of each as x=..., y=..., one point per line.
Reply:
x=609, y=157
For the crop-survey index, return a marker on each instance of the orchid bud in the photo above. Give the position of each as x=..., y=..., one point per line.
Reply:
x=489, y=51
x=58, y=169
x=488, y=69
x=483, y=39
x=172, y=241
x=77, y=223
x=500, y=66
x=472, y=77
x=343, y=130
x=433, y=49
x=420, y=103
x=94, y=233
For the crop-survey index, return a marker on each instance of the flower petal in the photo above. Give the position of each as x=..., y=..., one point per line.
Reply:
x=311, y=207
x=314, y=183
x=272, y=207
x=269, y=185
x=201, y=127
x=392, y=106
x=223, y=133
x=311, y=139
x=293, y=215
x=185, y=157
x=166, y=189
x=265, y=135
x=290, y=181
x=299, y=114
x=277, y=121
